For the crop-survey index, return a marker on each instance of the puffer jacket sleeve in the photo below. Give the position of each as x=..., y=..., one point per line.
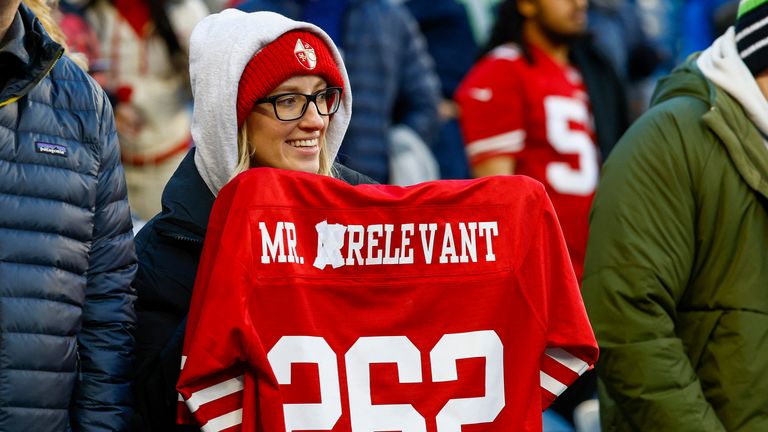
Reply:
x=639, y=258
x=103, y=396
x=419, y=90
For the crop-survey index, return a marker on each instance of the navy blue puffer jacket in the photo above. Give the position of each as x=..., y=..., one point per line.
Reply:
x=67, y=257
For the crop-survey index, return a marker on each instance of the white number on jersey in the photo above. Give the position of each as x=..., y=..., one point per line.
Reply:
x=399, y=350
x=308, y=349
x=561, y=175
x=468, y=345
x=365, y=416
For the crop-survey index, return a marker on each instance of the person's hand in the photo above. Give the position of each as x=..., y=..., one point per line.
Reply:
x=129, y=120
x=447, y=110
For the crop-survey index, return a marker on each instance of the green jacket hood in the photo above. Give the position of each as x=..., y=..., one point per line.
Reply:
x=685, y=80
x=725, y=119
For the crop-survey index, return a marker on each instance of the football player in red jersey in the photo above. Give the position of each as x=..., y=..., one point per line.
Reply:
x=543, y=102
x=527, y=107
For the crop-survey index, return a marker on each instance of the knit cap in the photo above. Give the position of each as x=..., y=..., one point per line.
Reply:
x=752, y=34
x=292, y=54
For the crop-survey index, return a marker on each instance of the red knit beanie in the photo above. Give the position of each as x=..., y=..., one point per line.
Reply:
x=292, y=54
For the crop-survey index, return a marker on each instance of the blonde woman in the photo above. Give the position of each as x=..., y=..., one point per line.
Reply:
x=268, y=91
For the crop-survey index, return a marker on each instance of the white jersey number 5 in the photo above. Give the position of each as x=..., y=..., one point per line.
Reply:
x=563, y=177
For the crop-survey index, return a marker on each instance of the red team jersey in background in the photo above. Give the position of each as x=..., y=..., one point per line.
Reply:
x=538, y=114
x=444, y=306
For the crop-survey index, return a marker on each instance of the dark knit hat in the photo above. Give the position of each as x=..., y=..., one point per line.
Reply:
x=292, y=54
x=752, y=34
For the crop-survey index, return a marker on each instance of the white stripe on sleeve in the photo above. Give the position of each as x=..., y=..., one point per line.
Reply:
x=225, y=421
x=214, y=392
x=551, y=385
x=567, y=359
x=507, y=142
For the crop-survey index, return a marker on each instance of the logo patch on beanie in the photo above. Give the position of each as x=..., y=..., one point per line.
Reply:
x=305, y=54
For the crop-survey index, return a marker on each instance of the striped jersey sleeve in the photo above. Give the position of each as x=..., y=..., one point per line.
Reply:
x=492, y=108
x=214, y=403
x=570, y=346
x=559, y=369
x=212, y=386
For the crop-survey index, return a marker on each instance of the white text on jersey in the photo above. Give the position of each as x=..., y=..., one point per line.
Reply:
x=341, y=245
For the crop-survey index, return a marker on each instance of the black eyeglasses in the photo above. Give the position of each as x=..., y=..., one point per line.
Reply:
x=292, y=106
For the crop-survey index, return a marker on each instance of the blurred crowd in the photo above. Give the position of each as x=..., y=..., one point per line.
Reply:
x=413, y=120
x=443, y=89
x=405, y=63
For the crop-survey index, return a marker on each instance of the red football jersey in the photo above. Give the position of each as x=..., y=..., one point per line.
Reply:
x=444, y=306
x=538, y=114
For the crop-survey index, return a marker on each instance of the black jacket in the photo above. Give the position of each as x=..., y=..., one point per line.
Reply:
x=607, y=94
x=169, y=248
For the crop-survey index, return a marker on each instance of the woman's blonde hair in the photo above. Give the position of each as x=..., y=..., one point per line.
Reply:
x=246, y=150
x=43, y=10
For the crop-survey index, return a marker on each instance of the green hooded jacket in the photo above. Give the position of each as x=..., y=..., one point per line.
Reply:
x=676, y=272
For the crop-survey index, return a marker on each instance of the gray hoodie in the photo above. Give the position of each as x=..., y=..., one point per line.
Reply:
x=221, y=46
x=722, y=64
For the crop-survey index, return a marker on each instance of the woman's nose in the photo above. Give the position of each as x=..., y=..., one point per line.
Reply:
x=312, y=118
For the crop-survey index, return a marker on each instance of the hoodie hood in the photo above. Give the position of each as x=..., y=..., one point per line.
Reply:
x=722, y=64
x=714, y=75
x=221, y=46
x=726, y=116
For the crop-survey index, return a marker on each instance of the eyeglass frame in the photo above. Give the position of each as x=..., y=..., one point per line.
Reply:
x=307, y=99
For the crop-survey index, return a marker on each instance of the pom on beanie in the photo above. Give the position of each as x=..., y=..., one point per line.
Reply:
x=752, y=34
x=292, y=54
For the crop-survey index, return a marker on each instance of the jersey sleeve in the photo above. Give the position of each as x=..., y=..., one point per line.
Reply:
x=216, y=342
x=570, y=346
x=492, y=110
